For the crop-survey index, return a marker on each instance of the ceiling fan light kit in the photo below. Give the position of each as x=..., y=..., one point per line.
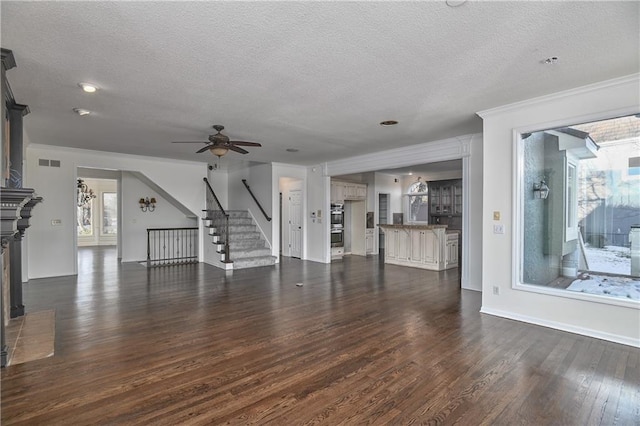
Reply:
x=220, y=144
x=218, y=150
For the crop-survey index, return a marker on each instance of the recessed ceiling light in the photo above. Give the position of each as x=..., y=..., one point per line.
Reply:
x=388, y=123
x=550, y=60
x=455, y=3
x=87, y=87
x=81, y=111
x=292, y=150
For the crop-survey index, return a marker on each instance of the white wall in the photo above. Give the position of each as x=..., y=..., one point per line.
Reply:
x=260, y=179
x=472, y=202
x=135, y=222
x=266, y=192
x=219, y=181
x=386, y=184
x=407, y=181
x=318, y=195
x=52, y=249
x=286, y=186
x=554, y=309
x=279, y=171
x=238, y=196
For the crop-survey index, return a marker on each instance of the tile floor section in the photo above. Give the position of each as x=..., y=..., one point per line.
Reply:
x=31, y=337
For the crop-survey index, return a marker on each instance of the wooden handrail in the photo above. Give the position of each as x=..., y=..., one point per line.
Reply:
x=214, y=197
x=256, y=200
x=224, y=217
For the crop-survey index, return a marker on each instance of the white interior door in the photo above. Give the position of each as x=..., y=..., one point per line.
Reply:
x=295, y=222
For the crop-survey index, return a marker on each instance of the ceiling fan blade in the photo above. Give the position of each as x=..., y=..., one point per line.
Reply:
x=189, y=142
x=203, y=149
x=243, y=143
x=236, y=149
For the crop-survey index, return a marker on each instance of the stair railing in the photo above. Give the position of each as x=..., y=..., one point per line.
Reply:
x=172, y=246
x=256, y=200
x=218, y=218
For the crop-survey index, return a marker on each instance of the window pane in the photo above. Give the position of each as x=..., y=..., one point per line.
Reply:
x=109, y=213
x=577, y=238
x=84, y=219
x=418, y=201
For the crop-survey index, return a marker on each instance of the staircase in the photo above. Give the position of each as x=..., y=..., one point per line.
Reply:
x=246, y=246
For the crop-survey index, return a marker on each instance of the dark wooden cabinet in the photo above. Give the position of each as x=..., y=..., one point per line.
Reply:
x=445, y=198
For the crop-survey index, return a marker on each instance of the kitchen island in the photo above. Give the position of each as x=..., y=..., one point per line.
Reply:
x=430, y=247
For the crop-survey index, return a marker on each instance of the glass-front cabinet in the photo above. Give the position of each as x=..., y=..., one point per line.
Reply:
x=457, y=197
x=446, y=197
x=434, y=193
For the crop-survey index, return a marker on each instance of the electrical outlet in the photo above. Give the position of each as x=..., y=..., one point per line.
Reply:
x=56, y=222
x=498, y=229
x=496, y=290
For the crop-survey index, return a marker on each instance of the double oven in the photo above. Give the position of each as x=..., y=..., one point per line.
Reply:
x=337, y=225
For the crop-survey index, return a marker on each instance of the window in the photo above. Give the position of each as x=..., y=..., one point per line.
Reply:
x=634, y=166
x=109, y=213
x=418, y=198
x=85, y=227
x=577, y=238
x=571, y=203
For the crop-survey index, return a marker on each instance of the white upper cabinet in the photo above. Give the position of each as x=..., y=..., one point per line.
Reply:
x=341, y=191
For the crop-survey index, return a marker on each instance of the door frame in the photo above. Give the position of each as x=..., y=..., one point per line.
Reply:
x=285, y=186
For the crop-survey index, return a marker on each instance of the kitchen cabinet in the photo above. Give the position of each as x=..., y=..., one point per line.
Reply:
x=368, y=240
x=445, y=197
x=391, y=243
x=341, y=191
x=337, y=192
x=404, y=249
x=421, y=246
x=397, y=244
x=337, y=252
x=457, y=197
x=451, y=251
x=424, y=247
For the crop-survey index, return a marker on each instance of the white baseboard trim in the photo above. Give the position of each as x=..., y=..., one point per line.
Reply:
x=629, y=341
x=317, y=259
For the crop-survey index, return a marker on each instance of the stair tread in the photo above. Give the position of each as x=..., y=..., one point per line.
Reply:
x=247, y=245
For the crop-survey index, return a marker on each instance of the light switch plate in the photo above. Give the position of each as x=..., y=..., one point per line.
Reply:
x=496, y=215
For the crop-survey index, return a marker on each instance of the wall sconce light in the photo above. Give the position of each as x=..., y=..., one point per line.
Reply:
x=540, y=190
x=147, y=204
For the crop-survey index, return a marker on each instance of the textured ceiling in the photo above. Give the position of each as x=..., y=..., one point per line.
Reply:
x=316, y=76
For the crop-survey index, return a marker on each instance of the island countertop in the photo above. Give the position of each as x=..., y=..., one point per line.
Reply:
x=423, y=246
x=411, y=226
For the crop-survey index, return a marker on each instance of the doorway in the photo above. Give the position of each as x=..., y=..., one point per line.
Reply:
x=97, y=203
x=98, y=214
x=291, y=217
x=383, y=218
x=295, y=222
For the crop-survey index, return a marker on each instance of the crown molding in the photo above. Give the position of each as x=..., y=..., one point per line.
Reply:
x=621, y=81
x=429, y=152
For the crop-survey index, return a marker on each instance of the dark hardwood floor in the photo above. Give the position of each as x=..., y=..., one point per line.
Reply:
x=358, y=343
